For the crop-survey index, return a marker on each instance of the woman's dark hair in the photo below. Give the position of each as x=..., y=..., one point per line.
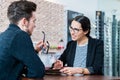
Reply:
x=20, y=9
x=85, y=23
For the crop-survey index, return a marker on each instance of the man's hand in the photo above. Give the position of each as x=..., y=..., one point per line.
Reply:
x=39, y=46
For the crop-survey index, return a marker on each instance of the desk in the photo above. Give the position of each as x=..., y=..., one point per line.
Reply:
x=86, y=77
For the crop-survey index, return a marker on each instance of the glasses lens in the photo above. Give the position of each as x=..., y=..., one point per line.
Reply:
x=75, y=30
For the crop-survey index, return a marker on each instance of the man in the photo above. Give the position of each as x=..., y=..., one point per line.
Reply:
x=16, y=48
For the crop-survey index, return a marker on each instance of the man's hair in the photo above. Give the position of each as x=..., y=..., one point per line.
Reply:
x=20, y=9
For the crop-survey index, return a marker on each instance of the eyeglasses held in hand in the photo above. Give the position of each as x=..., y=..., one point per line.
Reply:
x=43, y=36
x=48, y=45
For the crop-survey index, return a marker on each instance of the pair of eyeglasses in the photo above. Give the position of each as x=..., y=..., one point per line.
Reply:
x=48, y=45
x=75, y=30
x=43, y=36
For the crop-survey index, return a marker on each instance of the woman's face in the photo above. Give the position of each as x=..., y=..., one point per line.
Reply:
x=76, y=31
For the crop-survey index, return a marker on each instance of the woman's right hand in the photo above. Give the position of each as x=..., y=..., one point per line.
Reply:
x=58, y=64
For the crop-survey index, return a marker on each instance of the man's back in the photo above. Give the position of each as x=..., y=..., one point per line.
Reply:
x=16, y=51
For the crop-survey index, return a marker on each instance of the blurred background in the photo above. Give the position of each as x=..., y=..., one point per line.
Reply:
x=54, y=18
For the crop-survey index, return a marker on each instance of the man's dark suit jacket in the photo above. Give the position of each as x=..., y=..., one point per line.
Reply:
x=95, y=55
x=17, y=51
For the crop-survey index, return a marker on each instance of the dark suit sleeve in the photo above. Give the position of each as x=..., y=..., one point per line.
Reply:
x=99, y=58
x=64, y=54
x=24, y=52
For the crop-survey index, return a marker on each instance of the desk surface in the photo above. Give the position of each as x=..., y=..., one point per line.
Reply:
x=86, y=77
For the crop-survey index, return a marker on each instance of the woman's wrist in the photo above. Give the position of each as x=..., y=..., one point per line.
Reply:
x=80, y=70
x=85, y=71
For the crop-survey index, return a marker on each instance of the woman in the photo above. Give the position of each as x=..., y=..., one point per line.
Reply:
x=83, y=55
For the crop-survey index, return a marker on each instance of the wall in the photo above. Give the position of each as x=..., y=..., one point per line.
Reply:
x=112, y=5
x=87, y=7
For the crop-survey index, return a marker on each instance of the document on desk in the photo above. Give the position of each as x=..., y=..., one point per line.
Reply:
x=53, y=71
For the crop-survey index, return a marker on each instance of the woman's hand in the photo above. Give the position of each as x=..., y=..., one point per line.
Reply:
x=58, y=64
x=72, y=70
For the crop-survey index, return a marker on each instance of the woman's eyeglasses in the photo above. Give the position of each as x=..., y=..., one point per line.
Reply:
x=75, y=30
